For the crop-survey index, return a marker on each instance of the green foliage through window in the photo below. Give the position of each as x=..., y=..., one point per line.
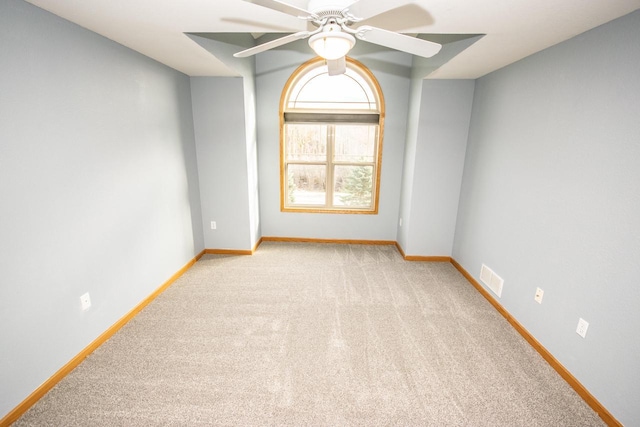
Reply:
x=357, y=187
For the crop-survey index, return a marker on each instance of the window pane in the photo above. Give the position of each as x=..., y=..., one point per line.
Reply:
x=353, y=186
x=306, y=142
x=307, y=184
x=345, y=91
x=355, y=143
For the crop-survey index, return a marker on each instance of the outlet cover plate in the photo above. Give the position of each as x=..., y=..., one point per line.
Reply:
x=85, y=302
x=539, y=294
x=582, y=327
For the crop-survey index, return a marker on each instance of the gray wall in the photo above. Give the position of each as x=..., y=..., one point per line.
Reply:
x=551, y=198
x=409, y=162
x=219, y=122
x=434, y=160
x=227, y=152
x=251, y=143
x=98, y=189
x=273, y=68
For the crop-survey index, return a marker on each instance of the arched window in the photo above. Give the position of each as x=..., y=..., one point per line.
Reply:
x=331, y=140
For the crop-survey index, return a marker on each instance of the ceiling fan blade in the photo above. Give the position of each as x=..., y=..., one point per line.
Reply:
x=398, y=41
x=337, y=66
x=273, y=43
x=363, y=9
x=283, y=7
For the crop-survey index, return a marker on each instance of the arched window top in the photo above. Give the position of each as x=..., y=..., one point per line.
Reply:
x=353, y=90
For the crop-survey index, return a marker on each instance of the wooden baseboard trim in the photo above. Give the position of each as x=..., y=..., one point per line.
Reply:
x=229, y=251
x=258, y=243
x=420, y=257
x=335, y=241
x=19, y=410
x=427, y=258
x=582, y=391
x=233, y=251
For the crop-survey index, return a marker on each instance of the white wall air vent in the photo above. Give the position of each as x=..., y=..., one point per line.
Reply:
x=485, y=274
x=492, y=280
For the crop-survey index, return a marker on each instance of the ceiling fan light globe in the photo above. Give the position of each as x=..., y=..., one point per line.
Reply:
x=332, y=45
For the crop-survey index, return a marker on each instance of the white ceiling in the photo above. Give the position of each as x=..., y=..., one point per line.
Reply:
x=514, y=28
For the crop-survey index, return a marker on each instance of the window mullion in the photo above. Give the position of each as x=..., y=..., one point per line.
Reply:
x=331, y=137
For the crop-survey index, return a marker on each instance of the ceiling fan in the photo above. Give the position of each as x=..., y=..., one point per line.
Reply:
x=333, y=37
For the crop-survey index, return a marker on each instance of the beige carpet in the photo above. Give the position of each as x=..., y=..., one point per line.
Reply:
x=315, y=334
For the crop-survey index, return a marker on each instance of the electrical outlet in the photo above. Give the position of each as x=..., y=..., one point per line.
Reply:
x=213, y=225
x=582, y=327
x=539, y=294
x=85, y=302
